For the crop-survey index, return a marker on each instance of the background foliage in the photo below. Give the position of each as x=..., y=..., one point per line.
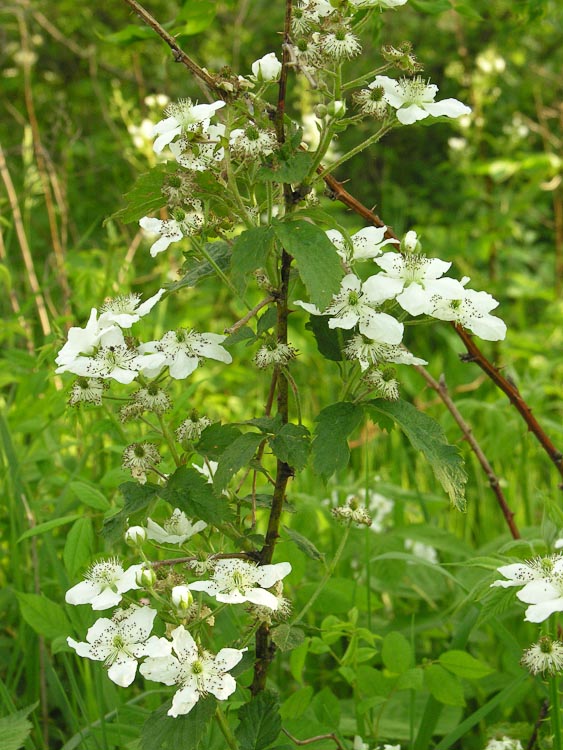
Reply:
x=75, y=82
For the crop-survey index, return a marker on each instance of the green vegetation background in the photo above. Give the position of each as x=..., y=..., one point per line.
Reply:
x=74, y=81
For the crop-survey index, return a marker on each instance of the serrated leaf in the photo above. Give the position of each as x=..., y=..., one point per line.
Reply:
x=464, y=665
x=326, y=708
x=42, y=528
x=292, y=444
x=290, y=168
x=162, y=732
x=445, y=687
x=250, y=251
x=237, y=455
x=90, y=495
x=330, y=446
x=426, y=435
x=412, y=679
x=146, y=194
x=305, y=545
x=318, y=262
x=287, y=637
x=260, y=722
x=216, y=438
x=79, y=546
x=190, y=491
x=396, y=653
x=267, y=321
x=15, y=729
x=44, y=616
x=137, y=498
x=330, y=341
x=195, y=269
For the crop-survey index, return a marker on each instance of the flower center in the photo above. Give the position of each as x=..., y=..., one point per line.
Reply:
x=197, y=667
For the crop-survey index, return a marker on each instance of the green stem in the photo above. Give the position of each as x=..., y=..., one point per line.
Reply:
x=555, y=713
x=219, y=272
x=358, y=149
x=167, y=434
x=225, y=729
x=324, y=580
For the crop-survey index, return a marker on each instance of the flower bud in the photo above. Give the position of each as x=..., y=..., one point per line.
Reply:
x=182, y=597
x=410, y=243
x=337, y=109
x=146, y=578
x=321, y=110
x=135, y=536
x=267, y=68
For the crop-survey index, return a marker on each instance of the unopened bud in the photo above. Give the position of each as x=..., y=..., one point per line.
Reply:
x=146, y=578
x=135, y=536
x=182, y=597
x=337, y=109
x=320, y=110
x=410, y=243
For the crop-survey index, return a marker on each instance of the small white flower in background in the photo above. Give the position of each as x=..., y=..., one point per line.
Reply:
x=506, y=743
x=379, y=507
x=181, y=597
x=182, y=351
x=104, y=584
x=119, y=642
x=183, y=117
x=201, y=154
x=544, y=656
x=87, y=391
x=191, y=428
x=413, y=98
x=472, y=311
x=267, y=68
x=359, y=744
x=126, y=310
x=558, y=544
x=135, y=536
x=355, y=305
x=140, y=458
x=352, y=511
x=317, y=9
x=414, y=281
x=424, y=551
x=236, y=581
x=197, y=672
x=340, y=45
x=367, y=243
x=176, y=530
x=208, y=471
x=373, y=351
x=383, y=382
x=184, y=224
x=274, y=354
x=251, y=142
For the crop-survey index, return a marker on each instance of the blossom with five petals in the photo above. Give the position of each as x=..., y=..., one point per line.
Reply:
x=413, y=98
x=366, y=243
x=176, y=530
x=183, y=117
x=182, y=351
x=104, y=584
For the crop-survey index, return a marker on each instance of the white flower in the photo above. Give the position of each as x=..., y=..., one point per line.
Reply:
x=542, y=582
x=190, y=429
x=176, y=530
x=274, y=353
x=506, y=743
x=87, y=391
x=366, y=243
x=196, y=671
x=82, y=341
x=126, y=310
x=373, y=351
x=538, y=569
x=471, y=310
x=236, y=581
x=104, y=584
x=354, y=305
x=340, y=45
x=252, y=142
x=135, y=536
x=317, y=9
x=183, y=117
x=413, y=99
x=182, y=351
x=152, y=398
x=208, y=471
x=140, y=458
x=414, y=281
x=383, y=382
x=424, y=551
x=173, y=230
x=267, y=68
x=201, y=154
x=544, y=656
x=119, y=642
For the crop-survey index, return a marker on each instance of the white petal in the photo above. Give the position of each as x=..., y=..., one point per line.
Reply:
x=346, y=321
x=447, y=107
x=148, y=305
x=83, y=593
x=383, y=328
x=540, y=612
x=123, y=672
x=224, y=688
x=415, y=299
x=105, y=600
x=227, y=658
x=535, y=592
x=312, y=309
x=261, y=597
x=183, y=701
x=381, y=287
x=267, y=575
x=488, y=327
x=410, y=114
x=157, y=647
x=182, y=366
x=164, y=669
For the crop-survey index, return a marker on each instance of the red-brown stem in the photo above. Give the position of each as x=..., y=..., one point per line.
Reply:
x=442, y=390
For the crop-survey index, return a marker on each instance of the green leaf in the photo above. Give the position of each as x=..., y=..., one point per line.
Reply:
x=326, y=708
x=286, y=168
x=137, y=498
x=195, y=269
x=79, y=546
x=292, y=444
x=89, y=495
x=146, y=194
x=445, y=687
x=396, y=653
x=412, y=679
x=234, y=457
x=128, y=35
x=330, y=341
x=318, y=262
x=190, y=491
x=250, y=251
x=15, y=729
x=267, y=321
x=464, y=665
x=216, y=438
x=297, y=703
x=196, y=15
x=260, y=722
x=431, y=6
x=162, y=732
x=41, y=528
x=287, y=637
x=44, y=616
x=426, y=435
x=305, y=545
x=330, y=446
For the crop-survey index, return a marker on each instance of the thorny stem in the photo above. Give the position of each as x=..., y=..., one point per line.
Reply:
x=249, y=315
x=555, y=712
x=442, y=390
x=318, y=738
x=356, y=150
